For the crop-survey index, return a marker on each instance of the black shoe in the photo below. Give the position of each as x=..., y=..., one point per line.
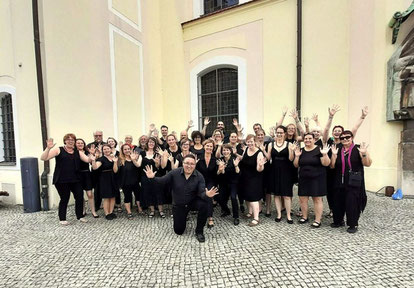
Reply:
x=303, y=220
x=352, y=229
x=200, y=237
x=268, y=215
x=236, y=221
x=95, y=216
x=114, y=215
x=289, y=221
x=225, y=214
x=109, y=217
x=278, y=219
x=242, y=209
x=335, y=225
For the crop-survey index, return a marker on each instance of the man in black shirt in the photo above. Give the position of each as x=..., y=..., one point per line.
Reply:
x=97, y=137
x=189, y=192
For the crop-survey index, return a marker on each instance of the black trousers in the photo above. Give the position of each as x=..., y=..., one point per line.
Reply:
x=229, y=191
x=180, y=213
x=64, y=190
x=128, y=193
x=346, y=202
x=97, y=197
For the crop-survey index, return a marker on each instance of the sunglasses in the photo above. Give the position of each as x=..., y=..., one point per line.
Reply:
x=345, y=137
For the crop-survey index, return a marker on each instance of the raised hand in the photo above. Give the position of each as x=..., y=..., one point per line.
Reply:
x=334, y=149
x=221, y=165
x=92, y=157
x=170, y=157
x=235, y=122
x=155, y=133
x=363, y=148
x=149, y=172
x=272, y=131
x=315, y=117
x=292, y=146
x=152, y=127
x=157, y=160
x=325, y=149
x=236, y=161
x=335, y=108
x=261, y=160
x=115, y=159
x=284, y=110
x=220, y=143
x=293, y=113
x=134, y=156
x=212, y=192
x=174, y=133
x=298, y=151
x=121, y=143
x=206, y=121
x=159, y=151
x=190, y=124
x=364, y=112
x=49, y=143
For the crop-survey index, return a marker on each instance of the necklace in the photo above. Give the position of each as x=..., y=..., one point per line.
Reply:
x=280, y=146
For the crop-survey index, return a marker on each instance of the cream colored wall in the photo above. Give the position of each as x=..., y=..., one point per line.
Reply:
x=128, y=8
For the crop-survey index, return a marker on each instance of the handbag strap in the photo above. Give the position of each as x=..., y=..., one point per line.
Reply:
x=349, y=158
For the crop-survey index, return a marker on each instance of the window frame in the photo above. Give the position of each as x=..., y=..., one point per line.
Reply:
x=4, y=166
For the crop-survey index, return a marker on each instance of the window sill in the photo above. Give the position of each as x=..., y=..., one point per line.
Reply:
x=8, y=164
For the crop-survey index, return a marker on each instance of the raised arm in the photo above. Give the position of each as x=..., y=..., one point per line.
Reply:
x=360, y=120
x=206, y=122
x=261, y=161
x=51, y=151
x=334, y=156
x=284, y=111
x=325, y=161
x=325, y=133
x=363, y=152
x=298, y=152
x=189, y=125
x=299, y=125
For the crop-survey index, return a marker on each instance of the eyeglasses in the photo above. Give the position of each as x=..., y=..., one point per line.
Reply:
x=280, y=132
x=345, y=137
x=98, y=135
x=189, y=164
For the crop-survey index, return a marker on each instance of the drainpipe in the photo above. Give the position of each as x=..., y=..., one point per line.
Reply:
x=299, y=60
x=40, y=89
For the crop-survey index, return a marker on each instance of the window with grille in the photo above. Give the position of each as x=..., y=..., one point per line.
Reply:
x=8, y=153
x=211, y=6
x=218, y=98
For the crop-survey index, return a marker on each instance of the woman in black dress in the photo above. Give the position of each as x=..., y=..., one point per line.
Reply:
x=207, y=166
x=312, y=161
x=280, y=180
x=66, y=176
x=111, y=141
x=128, y=175
x=86, y=178
x=228, y=179
x=251, y=178
x=108, y=184
x=185, y=150
x=151, y=194
x=349, y=197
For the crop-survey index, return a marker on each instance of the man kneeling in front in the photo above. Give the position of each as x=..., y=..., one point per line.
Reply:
x=189, y=193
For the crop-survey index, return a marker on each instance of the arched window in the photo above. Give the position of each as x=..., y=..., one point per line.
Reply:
x=218, y=97
x=211, y=6
x=8, y=151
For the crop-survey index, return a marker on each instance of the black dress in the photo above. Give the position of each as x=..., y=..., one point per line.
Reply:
x=151, y=194
x=312, y=174
x=108, y=185
x=210, y=176
x=294, y=170
x=251, y=181
x=280, y=177
x=198, y=152
x=85, y=176
x=129, y=181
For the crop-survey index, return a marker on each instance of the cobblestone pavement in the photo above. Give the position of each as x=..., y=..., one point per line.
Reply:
x=38, y=252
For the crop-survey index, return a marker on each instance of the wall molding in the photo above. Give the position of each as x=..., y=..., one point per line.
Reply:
x=138, y=25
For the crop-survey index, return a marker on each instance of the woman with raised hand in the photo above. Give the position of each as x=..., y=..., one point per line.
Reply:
x=349, y=197
x=197, y=147
x=66, y=176
x=151, y=194
x=207, y=166
x=86, y=177
x=128, y=175
x=280, y=180
x=108, y=184
x=251, y=179
x=228, y=179
x=312, y=161
x=113, y=144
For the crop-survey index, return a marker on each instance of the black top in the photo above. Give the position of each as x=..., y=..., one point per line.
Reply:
x=95, y=144
x=197, y=152
x=129, y=174
x=310, y=163
x=230, y=175
x=67, y=167
x=184, y=190
x=209, y=172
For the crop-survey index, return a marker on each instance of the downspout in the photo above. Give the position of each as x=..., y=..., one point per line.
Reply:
x=40, y=89
x=299, y=60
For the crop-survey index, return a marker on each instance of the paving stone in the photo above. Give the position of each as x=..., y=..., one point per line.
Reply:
x=38, y=252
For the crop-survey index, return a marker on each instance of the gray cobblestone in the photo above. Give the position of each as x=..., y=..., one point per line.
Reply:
x=38, y=252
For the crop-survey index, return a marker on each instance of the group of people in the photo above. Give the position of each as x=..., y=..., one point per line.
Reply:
x=201, y=171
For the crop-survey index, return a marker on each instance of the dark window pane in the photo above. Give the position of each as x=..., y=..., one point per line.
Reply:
x=7, y=129
x=208, y=82
x=228, y=3
x=228, y=123
x=209, y=105
x=228, y=103
x=227, y=79
x=211, y=127
x=215, y=5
